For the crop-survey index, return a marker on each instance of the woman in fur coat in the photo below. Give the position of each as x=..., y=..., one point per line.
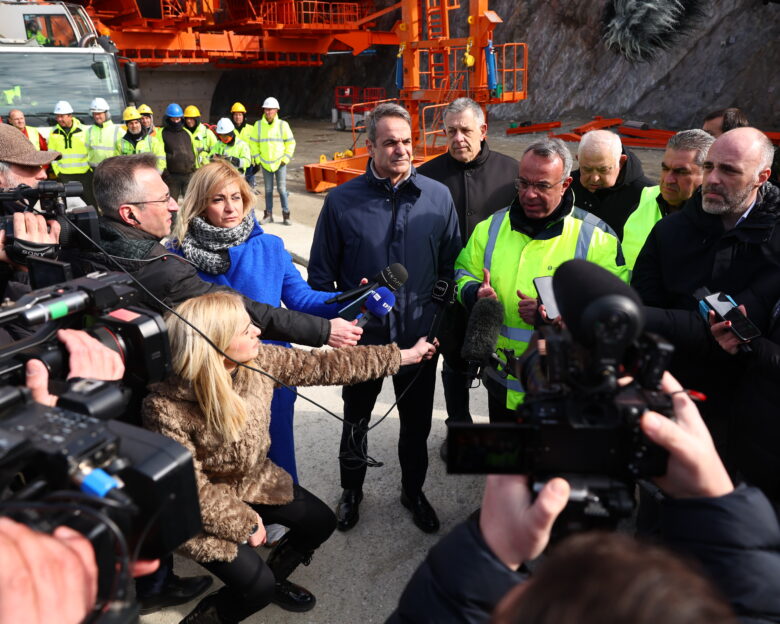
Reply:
x=220, y=412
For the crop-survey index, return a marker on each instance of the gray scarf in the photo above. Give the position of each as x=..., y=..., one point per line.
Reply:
x=207, y=245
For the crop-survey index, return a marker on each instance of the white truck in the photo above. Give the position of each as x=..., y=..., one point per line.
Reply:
x=50, y=51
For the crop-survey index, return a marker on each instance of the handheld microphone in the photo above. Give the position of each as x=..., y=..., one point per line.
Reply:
x=482, y=330
x=392, y=277
x=377, y=305
x=444, y=293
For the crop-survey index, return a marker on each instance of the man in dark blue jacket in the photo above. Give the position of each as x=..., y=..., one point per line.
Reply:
x=389, y=214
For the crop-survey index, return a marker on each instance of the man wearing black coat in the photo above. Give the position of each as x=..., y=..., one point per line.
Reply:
x=480, y=182
x=610, y=179
x=726, y=238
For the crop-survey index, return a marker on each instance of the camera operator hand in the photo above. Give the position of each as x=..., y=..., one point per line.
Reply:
x=514, y=528
x=31, y=228
x=722, y=333
x=88, y=359
x=43, y=575
x=695, y=470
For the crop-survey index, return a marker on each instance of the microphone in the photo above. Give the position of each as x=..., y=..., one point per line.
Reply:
x=392, y=277
x=444, y=293
x=482, y=329
x=599, y=309
x=378, y=304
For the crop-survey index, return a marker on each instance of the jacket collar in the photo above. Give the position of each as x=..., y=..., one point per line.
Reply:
x=409, y=184
x=532, y=227
x=484, y=153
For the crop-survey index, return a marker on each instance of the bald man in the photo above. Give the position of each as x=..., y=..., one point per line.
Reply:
x=610, y=179
x=726, y=238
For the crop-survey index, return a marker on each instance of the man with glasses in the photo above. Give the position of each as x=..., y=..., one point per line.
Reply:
x=610, y=179
x=540, y=230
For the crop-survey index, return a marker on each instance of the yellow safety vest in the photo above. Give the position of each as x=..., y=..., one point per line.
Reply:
x=273, y=144
x=204, y=140
x=147, y=145
x=34, y=136
x=72, y=144
x=638, y=226
x=237, y=149
x=514, y=259
x=101, y=142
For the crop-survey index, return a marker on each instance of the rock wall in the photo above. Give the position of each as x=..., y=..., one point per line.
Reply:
x=730, y=58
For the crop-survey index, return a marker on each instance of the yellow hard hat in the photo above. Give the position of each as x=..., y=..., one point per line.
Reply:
x=191, y=111
x=238, y=107
x=131, y=113
x=145, y=110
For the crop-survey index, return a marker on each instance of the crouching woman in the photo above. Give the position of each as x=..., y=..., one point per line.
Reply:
x=220, y=412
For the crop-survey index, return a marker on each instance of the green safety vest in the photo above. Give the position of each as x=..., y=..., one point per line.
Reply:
x=638, y=226
x=272, y=144
x=514, y=259
x=34, y=136
x=147, y=145
x=101, y=142
x=72, y=144
x=12, y=95
x=204, y=140
x=237, y=149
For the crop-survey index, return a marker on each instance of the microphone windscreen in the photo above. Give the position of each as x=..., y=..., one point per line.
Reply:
x=577, y=284
x=482, y=329
x=393, y=276
x=380, y=302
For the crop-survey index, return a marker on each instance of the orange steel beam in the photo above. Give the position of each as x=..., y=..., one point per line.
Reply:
x=530, y=129
x=654, y=143
x=650, y=133
x=566, y=136
x=598, y=123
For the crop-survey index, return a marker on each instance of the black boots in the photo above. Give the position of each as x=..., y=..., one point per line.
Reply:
x=282, y=561
x=348, y=509
x=206, y=612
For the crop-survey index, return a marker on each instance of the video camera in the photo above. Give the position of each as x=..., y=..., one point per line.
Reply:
x=131, y=492
x=52, y=199
x=577, y=421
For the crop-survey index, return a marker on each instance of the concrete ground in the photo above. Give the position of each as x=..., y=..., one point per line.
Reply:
x=358, y=576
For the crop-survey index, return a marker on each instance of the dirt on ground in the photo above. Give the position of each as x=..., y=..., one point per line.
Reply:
x=316, y=137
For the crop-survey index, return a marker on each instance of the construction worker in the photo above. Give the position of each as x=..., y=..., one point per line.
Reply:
x=202, y=136
x=274, y=146
x=147, y=121
x=230, y=146
x=136, y=141
x=70, y=139
x=16, y=118
x=180, y=151
x=103, y=136
x=245, y=132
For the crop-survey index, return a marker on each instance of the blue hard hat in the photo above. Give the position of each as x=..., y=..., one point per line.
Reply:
x=174, y=110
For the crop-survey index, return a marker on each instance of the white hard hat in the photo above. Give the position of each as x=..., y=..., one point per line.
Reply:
x=98, y=105
x=225, y=126
x=271, y=102
x=63, y=107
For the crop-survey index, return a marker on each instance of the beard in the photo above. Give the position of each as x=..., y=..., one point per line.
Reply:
x=728, y=203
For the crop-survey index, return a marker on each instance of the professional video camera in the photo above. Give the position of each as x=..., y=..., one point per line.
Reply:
x=51, y=197
x=577, y=421
x=131, y=492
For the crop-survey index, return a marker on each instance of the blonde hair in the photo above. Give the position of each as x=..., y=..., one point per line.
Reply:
x=217, y=315
x=204, y=184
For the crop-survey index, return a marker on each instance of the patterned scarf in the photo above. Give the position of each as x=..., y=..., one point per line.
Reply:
x=207, y=245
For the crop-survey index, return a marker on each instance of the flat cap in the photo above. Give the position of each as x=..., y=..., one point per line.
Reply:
x=15, y=148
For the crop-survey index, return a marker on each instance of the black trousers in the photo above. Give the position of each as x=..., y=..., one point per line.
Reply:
x=177, y=183
x=249, y=582
x=86, y=181
x=414, y=409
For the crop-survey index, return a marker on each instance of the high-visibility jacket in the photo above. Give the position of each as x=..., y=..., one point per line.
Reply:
x=273, y=145
x=235, y=149
x=34, y=136
x=72, y=144
x=639, y=224
x=514, y=259
x=146, y=145
x=12, y=95
x=101, y=142
x=204, y=140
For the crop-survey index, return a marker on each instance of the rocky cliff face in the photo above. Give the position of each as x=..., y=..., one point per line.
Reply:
x=730, y=58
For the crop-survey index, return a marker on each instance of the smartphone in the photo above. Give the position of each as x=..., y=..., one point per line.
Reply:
x=726, y=310
x=544, y=289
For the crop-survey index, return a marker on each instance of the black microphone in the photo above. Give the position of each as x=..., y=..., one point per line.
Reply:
x=378, y=304
x=392, y=277
x=599, y=309
x=444, y=293
x=482, y=330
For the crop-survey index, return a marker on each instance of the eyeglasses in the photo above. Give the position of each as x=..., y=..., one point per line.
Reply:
x=153, y=201
x=521, y=184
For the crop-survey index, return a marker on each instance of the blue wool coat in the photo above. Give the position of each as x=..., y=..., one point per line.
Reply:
x=262, y=269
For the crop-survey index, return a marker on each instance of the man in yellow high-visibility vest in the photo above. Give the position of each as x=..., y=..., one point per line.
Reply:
x=70, y=139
